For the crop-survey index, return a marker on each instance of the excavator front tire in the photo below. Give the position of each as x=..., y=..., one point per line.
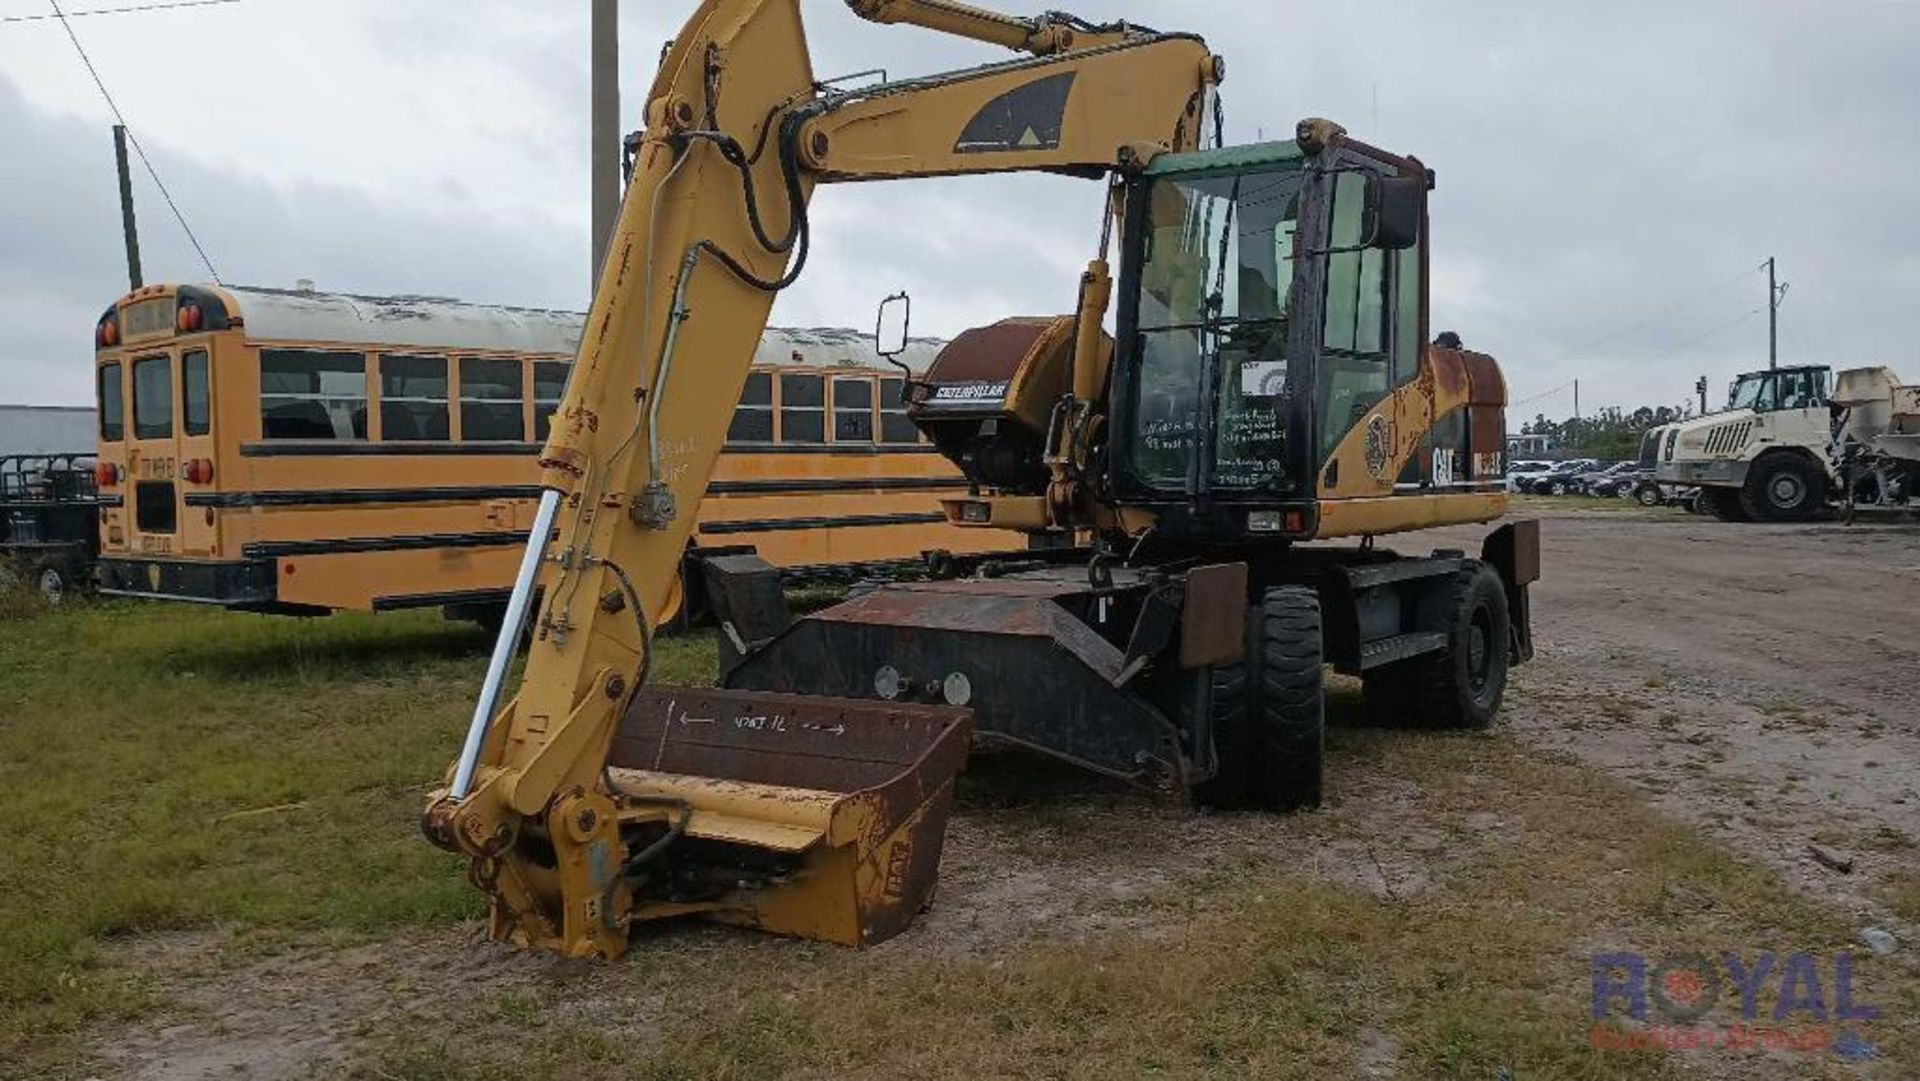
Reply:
x=1288, y=704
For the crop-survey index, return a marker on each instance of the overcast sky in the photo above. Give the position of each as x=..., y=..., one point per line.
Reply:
x=1611, y=175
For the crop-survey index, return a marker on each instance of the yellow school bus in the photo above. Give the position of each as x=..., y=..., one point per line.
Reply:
x=302, y=452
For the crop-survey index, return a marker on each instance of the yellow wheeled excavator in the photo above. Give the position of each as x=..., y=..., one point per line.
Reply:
x=1268, y=386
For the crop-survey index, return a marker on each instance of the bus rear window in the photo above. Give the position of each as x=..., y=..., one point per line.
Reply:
x=195, y=415
x=113, y=412
x=413, y=397
x=490, y=399
x=312, y=394
x=152, y=398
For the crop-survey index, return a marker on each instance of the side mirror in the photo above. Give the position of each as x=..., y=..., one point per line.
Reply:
x=890, y=327
x=1394, y=207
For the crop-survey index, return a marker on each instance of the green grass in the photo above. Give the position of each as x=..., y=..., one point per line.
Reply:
x=170, y=767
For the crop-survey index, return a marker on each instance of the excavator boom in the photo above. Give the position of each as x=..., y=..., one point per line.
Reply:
x=584, y=802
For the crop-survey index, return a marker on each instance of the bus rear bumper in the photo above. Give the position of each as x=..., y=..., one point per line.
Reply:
x=232, y=584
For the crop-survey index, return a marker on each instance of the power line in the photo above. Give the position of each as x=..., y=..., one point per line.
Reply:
x=1691, y=298
x=1710, y=332
x=138, y=149
x=116, y=11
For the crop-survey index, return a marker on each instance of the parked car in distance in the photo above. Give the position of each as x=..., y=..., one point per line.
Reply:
x=1554, y=481
x=1583, y=483
x=1620, y=482
x=1518, y=472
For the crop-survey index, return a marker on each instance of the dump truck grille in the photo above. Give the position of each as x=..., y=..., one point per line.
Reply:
x=1729, y=438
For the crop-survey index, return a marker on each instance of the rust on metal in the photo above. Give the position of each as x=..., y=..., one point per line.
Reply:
x=859, y=791
x=1213, y=615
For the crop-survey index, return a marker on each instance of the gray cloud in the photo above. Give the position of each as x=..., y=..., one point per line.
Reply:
x=1601, y=167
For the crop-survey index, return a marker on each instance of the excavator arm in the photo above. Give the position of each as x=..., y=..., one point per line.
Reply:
x=571, y=798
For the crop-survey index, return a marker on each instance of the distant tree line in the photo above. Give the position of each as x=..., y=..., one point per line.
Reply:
x=1611, y=433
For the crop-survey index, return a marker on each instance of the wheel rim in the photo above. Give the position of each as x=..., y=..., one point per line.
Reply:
x=52, y=588
x=1786, y=490
x=1479, y=653
x=1649, y=496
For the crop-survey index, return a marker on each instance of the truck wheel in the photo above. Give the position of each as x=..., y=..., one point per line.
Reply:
x=1230, y=786
x=1782, y=488
x=1647, y=495
x=1722, y=503
x=1461, y=686
x=1289, y=710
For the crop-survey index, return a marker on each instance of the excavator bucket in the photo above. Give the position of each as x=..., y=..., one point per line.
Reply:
x=816, y=817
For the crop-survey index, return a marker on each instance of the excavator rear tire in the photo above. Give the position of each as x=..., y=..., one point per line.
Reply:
x=1288, y=706
x=1461, y=686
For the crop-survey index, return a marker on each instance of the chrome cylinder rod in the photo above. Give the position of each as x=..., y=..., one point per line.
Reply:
x=511, y=628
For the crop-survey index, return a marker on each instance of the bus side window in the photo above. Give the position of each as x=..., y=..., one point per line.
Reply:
x=549, y=386
x=490, y=399
x=152, y=398
x=196, y=417
x=853, y=409
x=413, y=397
x=312, y=394
x=753, y=417
x=802, y=409
x=894, y=425
x=113, y=410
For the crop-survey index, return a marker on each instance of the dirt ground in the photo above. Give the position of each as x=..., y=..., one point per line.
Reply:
x=1757, y=681
x=1754, y=681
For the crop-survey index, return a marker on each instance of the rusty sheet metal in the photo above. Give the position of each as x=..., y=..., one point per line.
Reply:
x=1213, y=617
x=858, y=791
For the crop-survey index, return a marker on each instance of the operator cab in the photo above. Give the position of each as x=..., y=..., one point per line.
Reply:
x=1782, y=388
x=1270, y=299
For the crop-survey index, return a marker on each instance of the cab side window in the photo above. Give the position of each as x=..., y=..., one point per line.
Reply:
x=1355, y=371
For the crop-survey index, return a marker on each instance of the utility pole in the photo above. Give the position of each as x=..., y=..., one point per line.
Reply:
x=1576, y=399
x=1700, y=388
x=126, y=208
x=1773, y=319
x=604, y=128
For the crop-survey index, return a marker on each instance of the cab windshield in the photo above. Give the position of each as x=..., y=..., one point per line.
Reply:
x=1766, y=391
x=1215, y=277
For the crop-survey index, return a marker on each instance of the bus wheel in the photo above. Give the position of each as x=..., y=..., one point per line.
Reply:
x=1461, y=686
x=51, y=580
x=1289, y=709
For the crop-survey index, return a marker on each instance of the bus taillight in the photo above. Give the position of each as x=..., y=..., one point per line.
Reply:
x=198, y=471
x=106, y=475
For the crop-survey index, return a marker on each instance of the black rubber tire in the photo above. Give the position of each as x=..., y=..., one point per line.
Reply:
x=1461, y=685
x=1288, y=705
x=1648, y=495
x=1231, y=786
x=1722, y=503
x=1783, y=488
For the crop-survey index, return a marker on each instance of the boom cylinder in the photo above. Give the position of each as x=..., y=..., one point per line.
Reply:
x=503, y=647
x=964, y=20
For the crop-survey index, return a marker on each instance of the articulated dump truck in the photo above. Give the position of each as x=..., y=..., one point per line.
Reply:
x=1203, y=491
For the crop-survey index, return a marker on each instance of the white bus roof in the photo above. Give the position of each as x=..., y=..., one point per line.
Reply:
x=443, y=323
